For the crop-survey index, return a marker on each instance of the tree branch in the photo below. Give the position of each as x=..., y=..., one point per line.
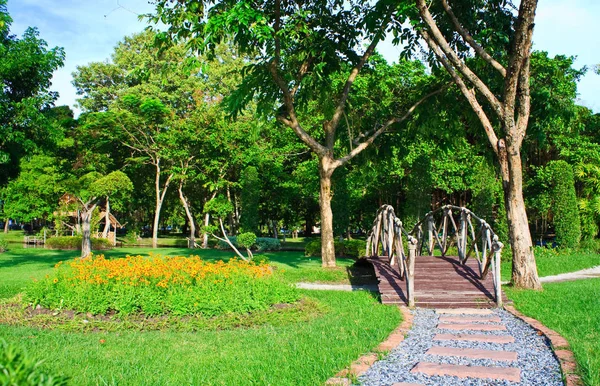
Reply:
x=363, y=145
x=337, y=115
x=226, y=239
x=469, y=94
x=521, y=49
x=469, y=39
x=442, y=43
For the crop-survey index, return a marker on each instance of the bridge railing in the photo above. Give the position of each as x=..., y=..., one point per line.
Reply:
x=447, y=227
x=389, y=233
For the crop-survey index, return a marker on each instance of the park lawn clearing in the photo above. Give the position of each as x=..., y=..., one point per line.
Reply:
x=290, y=353
x=573, y=310
x=554, y=261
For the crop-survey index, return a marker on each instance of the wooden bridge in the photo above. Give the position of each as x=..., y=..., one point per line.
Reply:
x=419, y=278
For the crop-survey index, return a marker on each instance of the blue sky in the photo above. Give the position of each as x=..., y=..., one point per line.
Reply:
x=89, y=30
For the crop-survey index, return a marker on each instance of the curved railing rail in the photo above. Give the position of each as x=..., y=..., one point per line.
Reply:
x=388, y=231
x=445, y=227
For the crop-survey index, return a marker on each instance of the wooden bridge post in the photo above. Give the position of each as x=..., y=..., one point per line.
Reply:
x=412, y=255
x=497, y=246
x=431, y=229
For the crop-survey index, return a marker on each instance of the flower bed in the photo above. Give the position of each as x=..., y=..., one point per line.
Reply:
x=158, y=285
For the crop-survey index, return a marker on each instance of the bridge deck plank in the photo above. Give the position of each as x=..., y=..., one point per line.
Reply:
x=440, y=282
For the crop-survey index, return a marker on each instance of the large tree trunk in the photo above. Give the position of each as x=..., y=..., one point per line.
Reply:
x=6, y=225
x=86, y=239
x=524, y=270
x=106, y=220
x=327, y=246
x=188, y=213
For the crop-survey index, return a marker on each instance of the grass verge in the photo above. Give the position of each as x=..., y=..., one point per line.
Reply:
x=573, y=310
x=553, y=262
x=305, y=352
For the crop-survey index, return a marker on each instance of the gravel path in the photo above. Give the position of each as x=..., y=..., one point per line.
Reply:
x=536, y=361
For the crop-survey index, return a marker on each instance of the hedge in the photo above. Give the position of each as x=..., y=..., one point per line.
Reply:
x=74, y=242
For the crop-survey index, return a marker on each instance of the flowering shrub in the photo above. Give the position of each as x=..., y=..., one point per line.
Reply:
x=158, y=285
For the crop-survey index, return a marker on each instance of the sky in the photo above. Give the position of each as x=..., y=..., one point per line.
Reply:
x=89, y=31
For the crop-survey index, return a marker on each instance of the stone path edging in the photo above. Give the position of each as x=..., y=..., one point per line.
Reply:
x=362, y=364
x=560, y=346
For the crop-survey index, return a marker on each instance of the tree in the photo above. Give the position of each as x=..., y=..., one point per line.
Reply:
x=92, y=188
x=26, y=67
x=295, y=48
x=446, y=37
x=35, y=192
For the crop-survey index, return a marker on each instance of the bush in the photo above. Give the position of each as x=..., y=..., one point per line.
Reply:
x=347, y=248
x=246, y=240
x=355, y=248
x=262, y=244
x=564, y=204
x=590, y=245
x=3, y=246
x=17, y=368
x=74, y=242
x=268, y=244
x=161, y=285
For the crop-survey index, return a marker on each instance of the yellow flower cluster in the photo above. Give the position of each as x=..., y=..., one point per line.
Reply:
x=158, y=270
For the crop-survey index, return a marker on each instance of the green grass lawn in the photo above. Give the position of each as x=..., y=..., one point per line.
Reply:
x=304, y=353
x=12, y=236
x=554, y=262
x=279, y=352
x=573, y=310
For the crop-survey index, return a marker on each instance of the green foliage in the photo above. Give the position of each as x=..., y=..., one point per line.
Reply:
x=3, y=245
x=246, y=240
x=347, y=248
x=26, y=68
x=219, y=206
x=35, y=192
x=17, y=368
x=564, y=204
x=262, y=244
x=196, y=288
x=111, y=185
x=250, y=186
x=74, y=242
